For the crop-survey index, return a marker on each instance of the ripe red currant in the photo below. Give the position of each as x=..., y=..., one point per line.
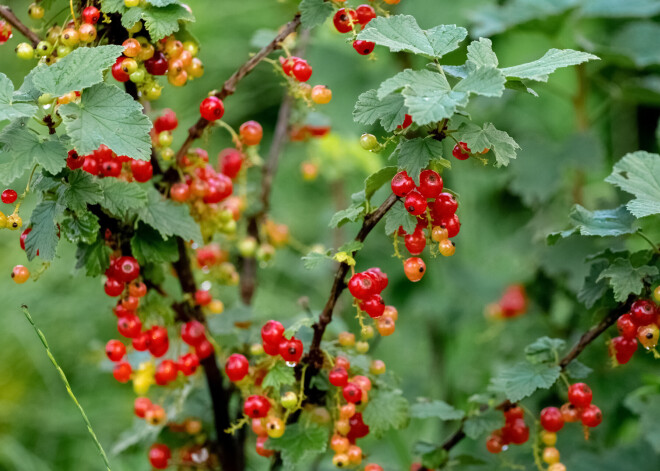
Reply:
x=358, y=428
x=212, y=108
x=230, y=161
x=204, y=349
x=115, y=350
x=379, y=277
x=461, y=151
x=113, y=287
x=142, y=170
x=623, y=349
x=74, y=161
x=256, y=407
x=580, y=395
x=272, y=333
x=643, y=312
x=141, y=342
x=127, y=269
x=166, y=122
x=415, y=203
x=180, y=192
x=166, y=372
x=203, y=297
x=9, y=196
x=129, y=326
x=159, y=456
x=591, y=416
x=362, y=286
x=374, y=306
x=141, y=405
x=364, y=48
x=344, y=20
x=415, y=242
x=291, y=350
x=157, y=64
x=237, y=367
x=188, y=364
x=402, y=184
x=551, y=419
x=626, y=326
x=122, y=372
x=302, y=71
x=352, y=393
x=365, y=13
x=193, y=333
x=452, y=224
x=91, y=15
x=338, y=376
x=430, y=183
x=444, y=206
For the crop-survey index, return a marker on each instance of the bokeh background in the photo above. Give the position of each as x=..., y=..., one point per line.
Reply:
x=585, y=119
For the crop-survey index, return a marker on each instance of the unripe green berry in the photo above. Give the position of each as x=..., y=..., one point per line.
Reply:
x=44, y=48
x=248, y=247
x=25, y=51
x=167, y=154
x=362, y=347
x=256, y=349
x=265, y=253
x=138, y=76
x=165, y=139
x=45, y=99
x=289, y=400
x=63, y=51
x=368, y=141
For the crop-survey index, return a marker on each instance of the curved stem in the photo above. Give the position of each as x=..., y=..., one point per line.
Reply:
x=13, y=20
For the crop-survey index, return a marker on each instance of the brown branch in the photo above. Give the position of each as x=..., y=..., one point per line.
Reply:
x=229, y=86
x=13, y=20
x=588, y=337
x=315, y=356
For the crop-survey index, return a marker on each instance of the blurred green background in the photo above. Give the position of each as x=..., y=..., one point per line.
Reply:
x=585, y=119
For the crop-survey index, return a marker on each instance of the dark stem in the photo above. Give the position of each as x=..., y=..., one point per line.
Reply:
x=8, y=15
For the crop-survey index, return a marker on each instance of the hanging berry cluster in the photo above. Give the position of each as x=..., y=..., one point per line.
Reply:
x=103, y=162
x=515, y=431
x=640, y=324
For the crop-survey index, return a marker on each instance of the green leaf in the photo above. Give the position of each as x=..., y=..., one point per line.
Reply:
x=432, y=100
x=524, y=378
x=80, y=190
x=578, y=370
x=314, y=259
x=638, y=173
x=351, y=246
x=618, y=9
x=300, y=443
x=544, y=350
x=626, y=279
x=397, y=217
x=433, y=456
x=414, y=155
x=27, y=91
x=602, y=223
x=481, y=53
x=499, y=142
x=390, y=111
x=350, y=214
x=402, y=33
x=23, y=148
x=435, y=409
x=645, y=402
x=314, y=12
x=79, y=70
x=163, y=3
x=83, y=227
x=593, y=289
x=44, y=235
x=296, y=326
x=169, y=218
x=120, y=197
x=279, y=375
x=386, y=410
x=161, y=22
x=9, y=110
x=377, y=179
x=486, y=81
x=94, y=258
x=404, y=79
x=636, y=40
x=552, y=60
x=108, y=115
x=482, y=423
x=148, y=246
x=492, y=19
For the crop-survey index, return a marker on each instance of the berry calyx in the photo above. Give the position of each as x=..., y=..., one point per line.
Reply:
x=212, y=108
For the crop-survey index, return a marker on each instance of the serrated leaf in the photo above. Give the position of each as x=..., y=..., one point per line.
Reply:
x=161, y=22
x=94, y=258
x=435, y=409
x=414, y=155
x=314, y=259
x=148, y=246
x=8, y=109
x=79, y=70
x=626, y=279
x=492, y=19
x=481, y=53
x=351, y=246
x=544, y=350
x=552, y=60
x=386, y=410
x=433, y=456
x=488, y=137
x=83, y=227
x=402, y=33
x=593, y=289
x=27, y=91
x=399, y=217
x=638, y=173
x=108, y=115
x=120, y=197
x=486, y=81
x=350, y=214
x=404, y=79
x=163, y=3
x=390, y=111
x=377, y=179
x=601, y=223
x=279, y=375
x=80, y=190
x=300, y=443
x=23, y=148
x=44, y=235
x=433, y=100
x=578, y=370
x=314, y=12
x=296, y=326
x=482, y=423
x=645, y=402
x=169, y=218
x=524, y=378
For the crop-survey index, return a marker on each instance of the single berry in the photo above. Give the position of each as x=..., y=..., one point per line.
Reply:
x=415, y=203
x=256, y=407
x=592, y=416
x=113, y=287
x=129, y=326
x=230, y=162
x=643, y=312
x=115, y=350
x=204, y=349
x=302, y=71
x=364, y=48
x=212, y=108
x=9, y=196
x=362, y=286
x=447, y=248
x=430, y=183
x=251, y=133
x=157, y=64
x=374, y=306
x=365, y=13
x=415, y=242
x=91, y=15
x=291, y=350
x=203, y=297
x=352, y=393
x=444, y=206
x=166, y=372
x=414, y=268
x=344, y=20
x=580, y=395
x=159, y=456
x=140, y=406
x=142, y=170
x=20, y=274
x=122, y=372
x=402, y=184
x=272, y=333
x=379, y=277
x=193, y=333
x=551, y=419
x=237, y=367
x=338, y=376
x=461, y=151
x=188, y=364
x=623, y=349
x=166, y=122
x=452, y=224
x=626, y=326
x=321, y=95
x=494, y=444
x=127, y=269
x=648, y=336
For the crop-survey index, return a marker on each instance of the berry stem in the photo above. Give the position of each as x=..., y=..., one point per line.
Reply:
x=42, y=337
x=8, y=15
x=656, y=248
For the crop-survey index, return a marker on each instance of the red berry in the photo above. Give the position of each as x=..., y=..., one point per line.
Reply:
x=352, y=393
x=364, y=48
x=444, y=206
x=362, y=286
x=157, y=65
x=141, y=342
x=119, y=74
x=580, y=395
x=344, y=19
x=256, y=407
x=23, y=237
x=212, y=108
x=461, y=151
x=74, y=161
x=591, y=416
x=129, y=326
x=407, y=121
x=379, y=277
x=494, y=444
x=287, y=64
x=517, y=432
x=219, y=188
x=291, y=350
x=140, y=406
x=365, y=13
x=623, y=349
x=416, y=241
x=430, y=184
x=402, y=184
x=452, y=224
x=115, y=350
x=9, y=196
x=122, y=372
x=358, y=428
x=551, y=419
x=338, y=376
x=643, y=312
x=166, y=122
x=91, y=15
x=142, y=170
x=203, y=297
x=302, y=71
x=513, y=413
x=261, y=447
x=127, y=269
x=180, y=192
x=188, y=364
x=91, y=165
x=415, y=203
x=230, y=161
x=159, y=456
x=626, y=326
x=237, y=367
x=251, y=132
x=272, y=333
x=111, y=168
x=513, y=301
x=166, y=372
x=374, y=306
x=113, y=287
x=204, y=349
x=272, y=349
x=193, y=333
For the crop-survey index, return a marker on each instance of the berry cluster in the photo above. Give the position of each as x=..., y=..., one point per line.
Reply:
x=366, y=288
x=160, y=455
x=640, y=324
x=103, y=162
x=275, y=343
x=462, y=152
x=515, y=431
x=349, y=20
x=513, y=303
x=579, y=408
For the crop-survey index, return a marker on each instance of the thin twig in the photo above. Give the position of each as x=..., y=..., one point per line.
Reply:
x=42, y=337
x=13, y=20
